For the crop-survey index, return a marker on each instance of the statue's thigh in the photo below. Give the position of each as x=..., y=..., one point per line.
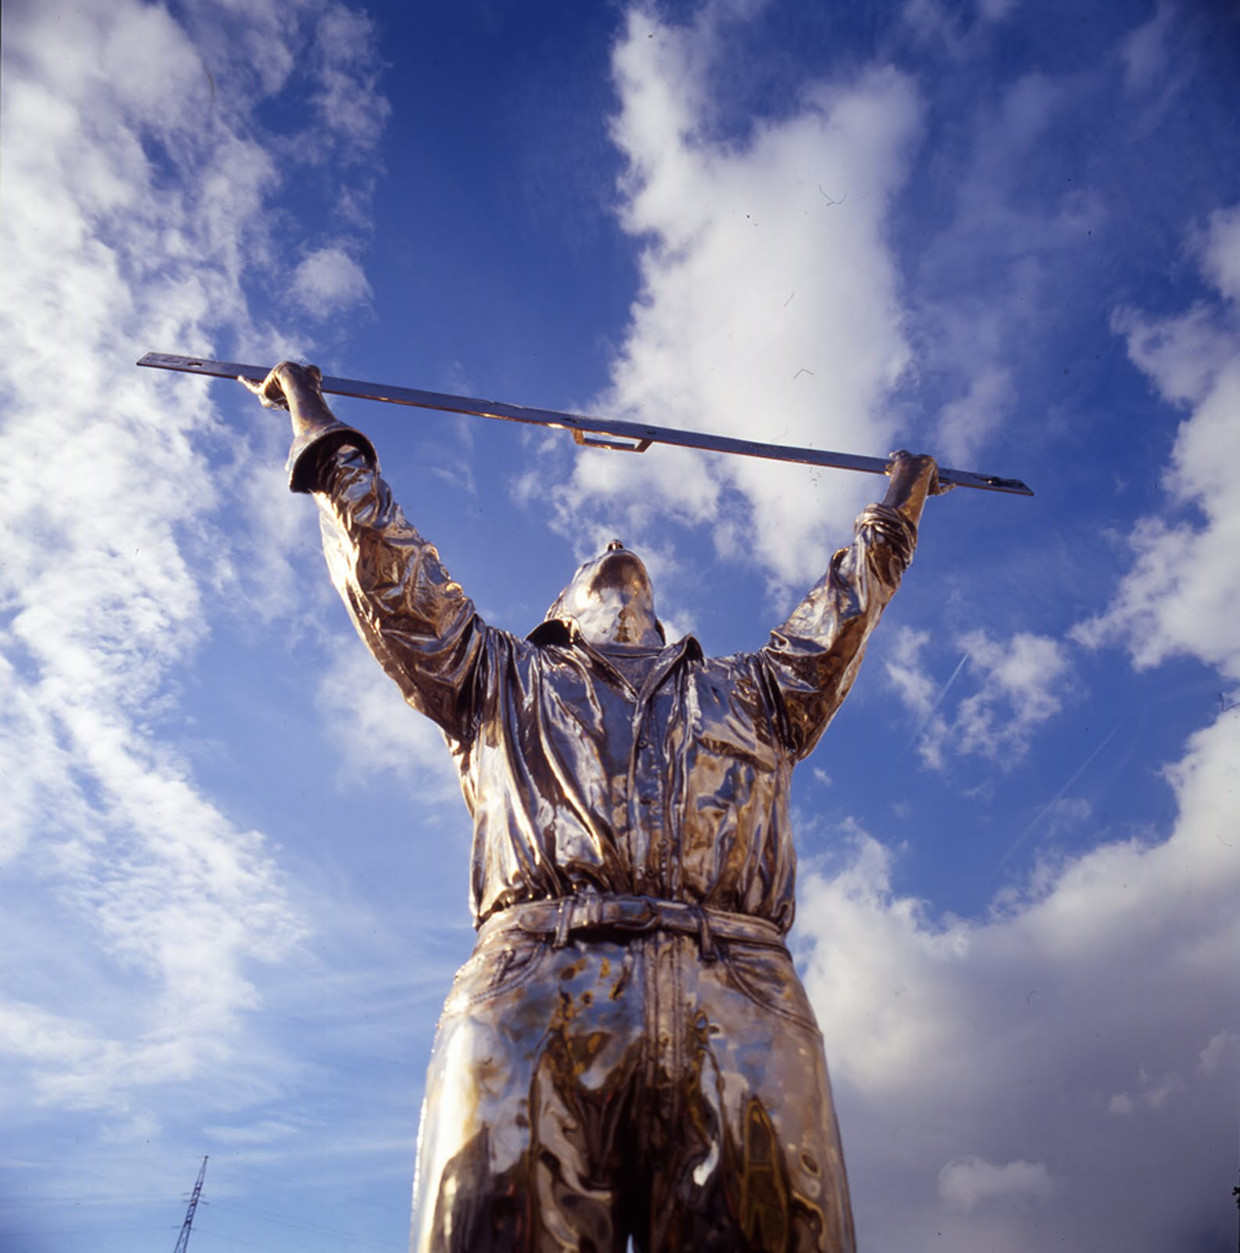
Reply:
x=765, y=1170
x=519, y=1144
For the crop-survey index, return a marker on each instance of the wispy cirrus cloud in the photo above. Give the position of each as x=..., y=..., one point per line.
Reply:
x=977, y=288
x=377, y=732
x=1145, y=50
x=136, y=212
x=960, y=34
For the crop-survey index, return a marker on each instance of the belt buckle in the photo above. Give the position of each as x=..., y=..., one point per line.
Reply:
x=636, y=914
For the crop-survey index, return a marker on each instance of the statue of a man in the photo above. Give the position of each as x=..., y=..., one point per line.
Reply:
x=628, y=1053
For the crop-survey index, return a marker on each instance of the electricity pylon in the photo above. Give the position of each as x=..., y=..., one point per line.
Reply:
x=183, y=1238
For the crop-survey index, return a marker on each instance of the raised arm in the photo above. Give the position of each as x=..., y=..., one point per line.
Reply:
x=413, y=617
x=813, y=658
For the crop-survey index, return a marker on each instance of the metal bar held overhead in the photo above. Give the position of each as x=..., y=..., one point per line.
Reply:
x=610, y=433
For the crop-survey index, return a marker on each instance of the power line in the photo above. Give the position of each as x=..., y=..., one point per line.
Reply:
x=82, y=1231
x=298, y=1224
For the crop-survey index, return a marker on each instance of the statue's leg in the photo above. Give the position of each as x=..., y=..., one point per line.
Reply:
x=536, y=1057
x=748, y=1104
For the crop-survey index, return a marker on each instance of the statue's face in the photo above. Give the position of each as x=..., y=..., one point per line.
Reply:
x=611, y=600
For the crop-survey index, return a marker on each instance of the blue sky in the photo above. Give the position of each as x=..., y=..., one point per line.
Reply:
x=232, y=864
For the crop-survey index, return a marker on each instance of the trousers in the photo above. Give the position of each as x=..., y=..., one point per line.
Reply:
x=592, y=1089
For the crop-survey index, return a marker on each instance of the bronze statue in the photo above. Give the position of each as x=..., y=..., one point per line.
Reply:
x=629, y=1052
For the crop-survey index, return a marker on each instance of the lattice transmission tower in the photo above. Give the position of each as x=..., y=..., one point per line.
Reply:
x=183, y=1238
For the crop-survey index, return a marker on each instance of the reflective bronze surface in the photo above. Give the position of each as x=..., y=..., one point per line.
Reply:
x=622, y=1085
x=629, y=1051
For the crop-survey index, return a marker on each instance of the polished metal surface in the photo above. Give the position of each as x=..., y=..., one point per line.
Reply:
x=594, y=432
x=629, y=1053
x=622, y=1086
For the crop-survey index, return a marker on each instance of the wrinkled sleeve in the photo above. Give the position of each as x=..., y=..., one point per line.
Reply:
x=811, y=661
x=418, y=623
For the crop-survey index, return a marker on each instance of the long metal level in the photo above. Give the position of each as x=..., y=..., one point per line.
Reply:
x=593, y=432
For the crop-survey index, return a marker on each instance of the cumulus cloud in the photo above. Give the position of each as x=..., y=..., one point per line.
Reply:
x=1021, y=681
x=768, y=304
x=327, y=281
x=1182, y=354
x=135, y=206
x=1223, y=1050
x=1219, y=246
x=1181, y=595
x=969, y=1181
x=976, y=1062
x=1082, y=1035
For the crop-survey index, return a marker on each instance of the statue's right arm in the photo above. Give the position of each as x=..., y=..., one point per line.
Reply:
x=413, y=617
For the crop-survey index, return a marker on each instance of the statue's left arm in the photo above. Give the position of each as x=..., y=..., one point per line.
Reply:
x=814, y=656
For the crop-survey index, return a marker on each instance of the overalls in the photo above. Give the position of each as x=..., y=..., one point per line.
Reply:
x=629, y=1051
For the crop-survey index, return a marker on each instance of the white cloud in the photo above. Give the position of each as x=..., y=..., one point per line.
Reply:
x=978, y=286
x=352, y=109
x=969, y=1181
x=1144, y=51
x=376, y=731
x=1182, y=593
x=964, y=424
x=931, y=22
x=768, y=303
x=1150, y=1093
x=1219, y=248
x=136, y=201
x=267, y=1132
x=1019, y=685
x=1223, y=1049
x=949, y=26
x=327, y=281
x=1182, y=355
x=905, y=669
x=961, y=1049
x=1065, y=813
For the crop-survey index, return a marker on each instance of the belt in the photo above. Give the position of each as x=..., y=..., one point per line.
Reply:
x=591, y=912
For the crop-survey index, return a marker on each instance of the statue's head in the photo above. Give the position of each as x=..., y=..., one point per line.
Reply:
x=611, y=600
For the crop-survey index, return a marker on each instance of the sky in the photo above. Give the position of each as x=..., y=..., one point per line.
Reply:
x=233, y=864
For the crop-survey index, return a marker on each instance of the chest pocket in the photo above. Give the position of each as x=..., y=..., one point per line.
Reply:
x=731, y=720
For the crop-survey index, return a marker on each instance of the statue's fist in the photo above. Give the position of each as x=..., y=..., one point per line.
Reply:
x=273, y=392
x=903, y=463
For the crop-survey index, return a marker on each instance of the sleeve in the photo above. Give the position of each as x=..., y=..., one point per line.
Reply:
x=311, y=453
x=420, y=626
x=811, y=661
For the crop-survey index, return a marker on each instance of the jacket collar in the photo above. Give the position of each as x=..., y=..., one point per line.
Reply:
x=565, y=633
